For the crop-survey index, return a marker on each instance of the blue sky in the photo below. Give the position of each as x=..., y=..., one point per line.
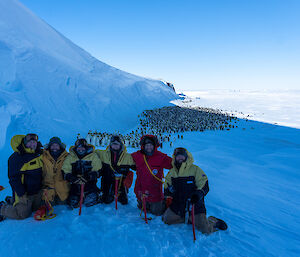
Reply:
x=211, y=44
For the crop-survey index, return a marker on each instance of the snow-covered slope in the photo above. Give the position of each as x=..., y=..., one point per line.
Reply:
x=49, y=86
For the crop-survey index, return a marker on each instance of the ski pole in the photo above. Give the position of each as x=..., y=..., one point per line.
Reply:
x=193, y=221
x=145, y=209
x=81, y=196
x=117, y=180
x=116, y=192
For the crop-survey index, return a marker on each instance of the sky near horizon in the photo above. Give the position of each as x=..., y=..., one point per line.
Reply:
x=211, y=44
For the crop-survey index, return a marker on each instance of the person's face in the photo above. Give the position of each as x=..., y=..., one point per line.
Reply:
x=32, y=144
x=55, y=148
x=180, y=158
x=80, y=149
x=115, y=146
x=149, y=148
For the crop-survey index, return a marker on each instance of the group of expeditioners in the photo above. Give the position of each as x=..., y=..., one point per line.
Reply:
x=55, y=176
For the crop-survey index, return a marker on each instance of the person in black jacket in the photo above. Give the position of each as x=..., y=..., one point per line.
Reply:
x=116, y=165
x=186, y=185
x=25, y=177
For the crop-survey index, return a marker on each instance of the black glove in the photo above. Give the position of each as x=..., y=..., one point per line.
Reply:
x=123, y=171
x=196, y=197
x=92, y=175
x=169, y=191
x=74, y=179
x=70, y=177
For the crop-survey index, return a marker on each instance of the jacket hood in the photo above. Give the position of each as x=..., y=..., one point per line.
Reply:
x=189, y=161
x=16, y=141
x=48, y=155
x=17, y=145
x=90, y=150
x=123, y=148
x=151, y=137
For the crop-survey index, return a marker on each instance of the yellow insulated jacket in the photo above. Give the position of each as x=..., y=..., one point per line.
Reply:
x=187, y=169
x=72, y=158
x=52, y=176
x=124, y=159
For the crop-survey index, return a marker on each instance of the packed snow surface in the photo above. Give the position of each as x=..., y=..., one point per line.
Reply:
x=254, y=179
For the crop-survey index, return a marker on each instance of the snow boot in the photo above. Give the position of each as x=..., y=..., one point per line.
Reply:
x=217, y=223
x=123, y=198
x=107, y=199
x=91, y=199
x=9, y=200
x=1, y=216
x=73, y=201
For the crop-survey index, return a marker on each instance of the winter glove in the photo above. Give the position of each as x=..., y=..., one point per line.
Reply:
x=49, y=194
x=169, y=191
x=128, y=180
x=92, y=175
x=169, y=200
x=70, y=177
x=123, y=171
x=196, y=197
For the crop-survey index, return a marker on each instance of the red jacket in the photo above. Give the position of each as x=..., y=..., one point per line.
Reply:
x=145, y=182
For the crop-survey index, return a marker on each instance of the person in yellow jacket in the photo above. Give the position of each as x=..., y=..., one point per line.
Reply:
x=55, y=188
x=116, y=166
x=82, y=166
x=25, y=177
x=187, y=184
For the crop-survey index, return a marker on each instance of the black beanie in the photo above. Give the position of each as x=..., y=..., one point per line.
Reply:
x=56, y=140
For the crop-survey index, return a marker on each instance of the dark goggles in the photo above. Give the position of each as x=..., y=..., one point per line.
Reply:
x=180, y=151
x=81, y=142
x=30, y=137
x=115, y=139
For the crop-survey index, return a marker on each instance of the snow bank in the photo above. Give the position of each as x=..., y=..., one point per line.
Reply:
x=50, y=86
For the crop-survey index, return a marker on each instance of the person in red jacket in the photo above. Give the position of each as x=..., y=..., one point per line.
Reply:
x=150, y=164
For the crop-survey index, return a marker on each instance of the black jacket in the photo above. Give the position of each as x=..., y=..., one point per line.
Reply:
x=25, y=171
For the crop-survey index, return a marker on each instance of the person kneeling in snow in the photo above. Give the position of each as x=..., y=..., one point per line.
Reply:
x=56, y=189
x=186, y=184
x=116, y=166
x=25, y=178
x=149, y=169
x=82, y=166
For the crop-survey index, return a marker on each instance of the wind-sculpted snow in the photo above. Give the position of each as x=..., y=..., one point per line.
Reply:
x=50, y=86
x=254, y=178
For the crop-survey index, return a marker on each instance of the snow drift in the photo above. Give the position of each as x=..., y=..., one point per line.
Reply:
x=50, y=86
